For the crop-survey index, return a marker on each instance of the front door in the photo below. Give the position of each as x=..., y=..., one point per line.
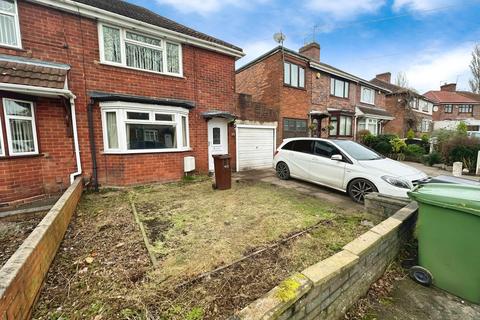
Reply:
x=217, y=139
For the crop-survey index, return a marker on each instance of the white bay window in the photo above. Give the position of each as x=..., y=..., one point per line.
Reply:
x=139, y=128
x=374, y=126
x=20, y=127
x=9, y=24
x=121, y=47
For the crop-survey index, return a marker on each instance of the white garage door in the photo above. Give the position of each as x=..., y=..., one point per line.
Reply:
x=255, y=147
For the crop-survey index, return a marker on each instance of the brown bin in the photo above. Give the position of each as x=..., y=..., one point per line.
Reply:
x=223, y=172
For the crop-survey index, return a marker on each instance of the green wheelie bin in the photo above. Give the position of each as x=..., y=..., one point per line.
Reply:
x=448, y=233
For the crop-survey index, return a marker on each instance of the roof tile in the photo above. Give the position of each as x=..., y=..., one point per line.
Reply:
x=32, y=75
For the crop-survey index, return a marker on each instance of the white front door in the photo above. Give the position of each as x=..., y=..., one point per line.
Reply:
x=217, y=139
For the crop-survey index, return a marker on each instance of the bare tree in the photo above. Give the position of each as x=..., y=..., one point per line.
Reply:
x=401, y=80
x=475, y=68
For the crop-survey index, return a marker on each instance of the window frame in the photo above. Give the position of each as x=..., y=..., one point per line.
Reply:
x=295, y=132
x=450, y=108
x=338, y=118
x=299, y=79
x=2, y=146
x=121, y=109
x=370, y=121
x=346, y=87
x=16, y=18
x=362, y=88
x=124, y=40
x=32, y=118
x=468, y=106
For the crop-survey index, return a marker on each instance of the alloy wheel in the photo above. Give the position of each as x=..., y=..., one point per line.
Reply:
x=282, y=171
x=359, y=188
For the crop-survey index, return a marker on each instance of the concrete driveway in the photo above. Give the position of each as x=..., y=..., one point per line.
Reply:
x=435, y=171
x=335, y=197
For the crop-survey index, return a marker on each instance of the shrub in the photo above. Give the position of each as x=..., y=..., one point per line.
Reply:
x=462, y=129
x=463, y=149
x=425, y=138
x=362, y=134
x=410, y=134
x=380, y=143
x=414, y=152
x=398, y=145
x=432, y=158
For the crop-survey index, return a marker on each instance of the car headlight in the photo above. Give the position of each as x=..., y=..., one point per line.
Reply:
x=397, y=182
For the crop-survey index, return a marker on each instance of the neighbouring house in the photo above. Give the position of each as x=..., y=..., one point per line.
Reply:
x=110, y=91
x=311, y=97
x=454, y=106
x=410, y=109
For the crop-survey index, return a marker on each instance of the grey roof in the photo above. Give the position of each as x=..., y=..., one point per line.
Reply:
x=218, y=114
x=375, y=111
x=112, y=96
x=132, y=11
x=397, y=89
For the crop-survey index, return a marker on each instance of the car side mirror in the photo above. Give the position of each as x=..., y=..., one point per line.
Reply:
x=337, y=157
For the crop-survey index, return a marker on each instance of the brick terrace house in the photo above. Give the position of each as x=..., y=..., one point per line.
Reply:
x=453, y=106
x=107, y=90
x=311, y=97
x=410, y=109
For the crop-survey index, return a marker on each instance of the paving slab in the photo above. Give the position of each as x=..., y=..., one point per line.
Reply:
x=412, y=301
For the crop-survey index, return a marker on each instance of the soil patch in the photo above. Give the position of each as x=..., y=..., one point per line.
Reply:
x=13, y=232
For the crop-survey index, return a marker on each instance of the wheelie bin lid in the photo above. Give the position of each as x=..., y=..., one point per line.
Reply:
x=460, y=197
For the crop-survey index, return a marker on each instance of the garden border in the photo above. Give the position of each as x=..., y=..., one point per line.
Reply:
x=22, y=275
x=327, y=289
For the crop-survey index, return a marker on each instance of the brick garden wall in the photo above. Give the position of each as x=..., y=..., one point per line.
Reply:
x=22, y=275
x=52, y=35
x=329, y=288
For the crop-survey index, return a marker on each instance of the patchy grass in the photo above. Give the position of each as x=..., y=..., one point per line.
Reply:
x=193, y=229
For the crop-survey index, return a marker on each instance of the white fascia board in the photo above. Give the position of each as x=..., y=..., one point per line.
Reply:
x=110, y=17
x=36, y=91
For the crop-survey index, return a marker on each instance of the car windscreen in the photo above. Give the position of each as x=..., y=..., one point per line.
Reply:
x=357, y=151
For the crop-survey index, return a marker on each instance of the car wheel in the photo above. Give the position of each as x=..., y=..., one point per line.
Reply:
x=283, y=172
x=358, y=188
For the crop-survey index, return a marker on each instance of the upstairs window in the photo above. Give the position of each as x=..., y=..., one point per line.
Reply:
x=414, y=103
x=294, y=75
x=448, y=108
x=368, y=95
x=465, y=108
x=138, y=51
x=424, y=105
x=339, y=88
x=9, y=25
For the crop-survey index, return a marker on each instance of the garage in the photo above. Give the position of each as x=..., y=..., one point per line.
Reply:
x=255, y=146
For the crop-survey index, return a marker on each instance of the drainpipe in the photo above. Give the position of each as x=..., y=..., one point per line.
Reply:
x=75, y=140
x=93, y=152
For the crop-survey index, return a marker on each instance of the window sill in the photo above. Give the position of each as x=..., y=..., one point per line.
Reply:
x=179, y=76
x=368, y=103
x=343, y=98
x=6, y=46
x=133, y=152
x=293, y=87
x=21, y=156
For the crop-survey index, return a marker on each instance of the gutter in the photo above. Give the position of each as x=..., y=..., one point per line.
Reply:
x=93, y=151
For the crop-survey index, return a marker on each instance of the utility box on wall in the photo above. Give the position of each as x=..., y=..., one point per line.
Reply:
x=189, y=164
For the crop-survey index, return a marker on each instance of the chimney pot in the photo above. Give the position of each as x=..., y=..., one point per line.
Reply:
x=385, y=77
x=451, y=87
x=311, y=50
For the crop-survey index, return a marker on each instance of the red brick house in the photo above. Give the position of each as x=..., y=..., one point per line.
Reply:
x=311, y=97
x=452, y=106
x=107, y=90
x=410, y=109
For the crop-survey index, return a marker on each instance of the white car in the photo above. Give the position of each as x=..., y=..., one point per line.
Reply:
x=346, y=166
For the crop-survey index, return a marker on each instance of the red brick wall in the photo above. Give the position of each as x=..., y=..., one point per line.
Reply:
x=455, y=115
x=397, y=109
x=209, y=80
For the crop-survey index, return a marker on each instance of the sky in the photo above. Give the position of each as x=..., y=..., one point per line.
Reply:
x=428, y=40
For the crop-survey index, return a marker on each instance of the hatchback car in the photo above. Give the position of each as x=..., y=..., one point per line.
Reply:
x=345, y=165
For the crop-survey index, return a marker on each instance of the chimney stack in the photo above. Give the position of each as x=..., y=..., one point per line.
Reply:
x=385, y=77
x=311, y=50
x=451, y=87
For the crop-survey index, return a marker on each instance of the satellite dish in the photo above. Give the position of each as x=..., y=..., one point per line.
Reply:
x=279, y=37
x=435, y=108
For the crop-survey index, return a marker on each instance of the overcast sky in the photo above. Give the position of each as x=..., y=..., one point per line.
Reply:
x=430, y=40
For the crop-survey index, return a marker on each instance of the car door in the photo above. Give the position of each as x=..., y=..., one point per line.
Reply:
x=300, y=157
x=323, y=169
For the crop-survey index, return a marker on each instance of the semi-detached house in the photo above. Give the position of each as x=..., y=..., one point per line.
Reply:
x=110, y=91
x=312, y=97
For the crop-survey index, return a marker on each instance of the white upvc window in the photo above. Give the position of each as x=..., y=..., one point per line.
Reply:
x=20, y=127
x=131, y=49
x=144, y=128
x=374, y=126
x=367, y=95
x=9, y=24
x=339, y=88
x=2, y=149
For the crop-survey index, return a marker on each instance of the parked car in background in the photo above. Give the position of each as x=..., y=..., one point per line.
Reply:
x=346, y=166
